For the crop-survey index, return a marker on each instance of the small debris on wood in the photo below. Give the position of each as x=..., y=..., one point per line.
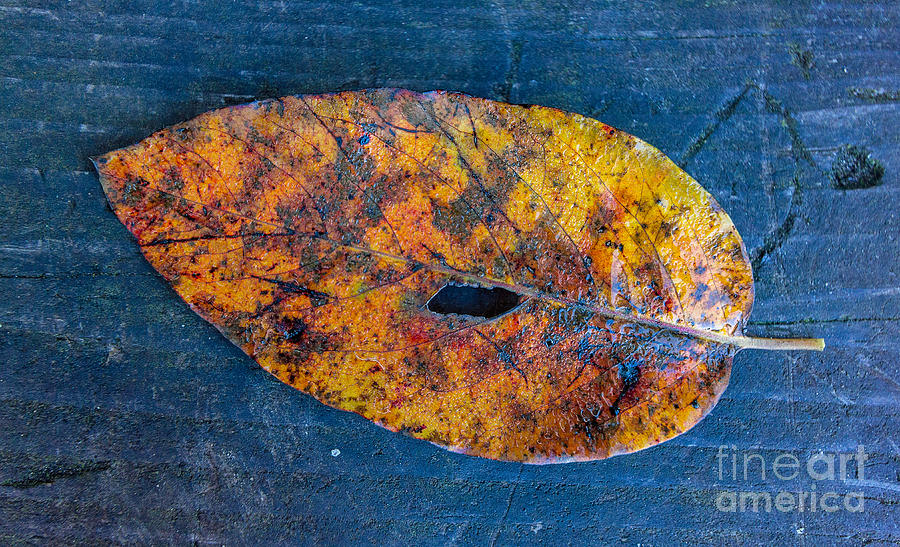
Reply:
x=854, y=167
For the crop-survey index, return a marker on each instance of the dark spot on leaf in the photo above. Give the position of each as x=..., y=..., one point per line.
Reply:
x=629, y=372
x=699, y=291
x=291, y=329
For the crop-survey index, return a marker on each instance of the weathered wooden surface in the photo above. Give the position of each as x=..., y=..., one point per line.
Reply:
x=126, y=418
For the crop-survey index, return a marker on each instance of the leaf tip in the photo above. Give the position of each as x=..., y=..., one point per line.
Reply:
x=99, y=162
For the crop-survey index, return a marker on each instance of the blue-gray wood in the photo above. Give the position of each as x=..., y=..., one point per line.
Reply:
x=127, y=418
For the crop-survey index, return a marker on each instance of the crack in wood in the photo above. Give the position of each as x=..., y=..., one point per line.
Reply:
x=53, y=471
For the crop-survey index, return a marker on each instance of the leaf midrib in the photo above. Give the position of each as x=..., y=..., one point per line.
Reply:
x=693, y=332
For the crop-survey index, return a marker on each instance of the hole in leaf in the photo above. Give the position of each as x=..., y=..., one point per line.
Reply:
x=474, y=301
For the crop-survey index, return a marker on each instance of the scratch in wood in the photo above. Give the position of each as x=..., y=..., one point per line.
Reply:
x=799, y=521
x=48, y=473
x=776, y=238
x=721, y=115
x=504, y=90
x=817, y=321
x=75, y=275
x=864, y=361
x=821, y=380
x=879, y=95
x=509, y=500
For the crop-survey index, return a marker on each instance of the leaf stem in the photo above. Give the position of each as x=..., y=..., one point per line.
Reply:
x=777, y=344
x=782, y=344
x=742, y=342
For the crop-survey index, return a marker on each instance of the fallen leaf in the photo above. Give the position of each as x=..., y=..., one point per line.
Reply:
x=512, y=282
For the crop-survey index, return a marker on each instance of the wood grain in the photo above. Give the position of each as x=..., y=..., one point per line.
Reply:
x=126, y=418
